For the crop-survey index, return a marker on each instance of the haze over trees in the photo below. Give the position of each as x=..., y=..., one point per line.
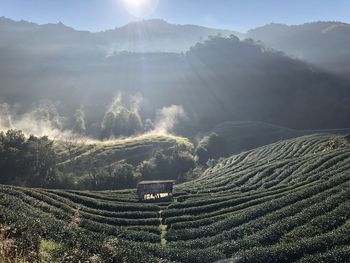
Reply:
x=214, y=80
x=123, y=122
x=219, y=79
x=41, y=162
x=324, y=44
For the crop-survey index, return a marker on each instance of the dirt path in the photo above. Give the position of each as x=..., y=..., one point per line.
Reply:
x=163, y=230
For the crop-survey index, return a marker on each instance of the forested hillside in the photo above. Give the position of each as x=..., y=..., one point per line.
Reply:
x=321, y=43
x=93, y=165
x=217, y=80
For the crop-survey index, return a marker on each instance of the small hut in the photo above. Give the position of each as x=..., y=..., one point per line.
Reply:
x=148, y=190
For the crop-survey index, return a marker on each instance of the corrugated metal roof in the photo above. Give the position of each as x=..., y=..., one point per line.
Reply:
x=156, y=182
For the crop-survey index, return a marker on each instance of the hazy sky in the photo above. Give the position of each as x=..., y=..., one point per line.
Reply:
x=241, y=15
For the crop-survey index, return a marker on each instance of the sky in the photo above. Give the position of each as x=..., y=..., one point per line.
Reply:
x=240, y=15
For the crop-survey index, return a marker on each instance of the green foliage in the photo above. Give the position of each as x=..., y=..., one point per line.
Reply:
x=107, y=125
x=29, y=161
x=79, y=122
x=168, y=164
x=119, y=175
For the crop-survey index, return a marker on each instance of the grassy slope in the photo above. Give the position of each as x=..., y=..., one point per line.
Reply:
x=285, y=202
x=75, y=157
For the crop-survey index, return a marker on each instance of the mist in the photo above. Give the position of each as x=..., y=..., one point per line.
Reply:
x=43, y=120
x=216, y=80
x=167, y=119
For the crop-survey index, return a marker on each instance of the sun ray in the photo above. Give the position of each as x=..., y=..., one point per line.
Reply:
x=135, y=3
x=140, y=8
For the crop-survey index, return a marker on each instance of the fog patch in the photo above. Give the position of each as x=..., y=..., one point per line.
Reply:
x=116, y=104
x=167, y=118
x=136, y=102
x=44, y=120
x=131, y=102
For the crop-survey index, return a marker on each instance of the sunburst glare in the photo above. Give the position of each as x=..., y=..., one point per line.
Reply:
x=140, y=8
x=135, y=3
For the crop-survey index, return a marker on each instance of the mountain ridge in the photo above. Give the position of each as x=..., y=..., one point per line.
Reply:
x=323, y=43
x=153, y=35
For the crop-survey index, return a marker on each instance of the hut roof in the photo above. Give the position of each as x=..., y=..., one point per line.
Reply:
x=156, y=182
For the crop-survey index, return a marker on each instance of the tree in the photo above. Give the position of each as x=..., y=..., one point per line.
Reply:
x=79, y=121
x=29, y=162
x=70, y=143
x=107, y=125
x=123, y=122
x=43, y=161
x=167, y=164
x=135, y=123
x=12, y=156
x=119, y=175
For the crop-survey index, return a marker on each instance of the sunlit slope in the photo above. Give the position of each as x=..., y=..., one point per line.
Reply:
x=78, y=156
x=282, y=163
x=239, y=136
x=278, y=203
x=285, y=202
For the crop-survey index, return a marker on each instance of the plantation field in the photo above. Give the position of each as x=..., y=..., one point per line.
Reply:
x=284, y=202
x=239, y=136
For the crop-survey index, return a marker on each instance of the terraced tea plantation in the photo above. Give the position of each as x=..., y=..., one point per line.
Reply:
x=285, y=202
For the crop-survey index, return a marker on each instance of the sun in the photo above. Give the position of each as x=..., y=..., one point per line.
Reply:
x=135, y=3
x=140, y=8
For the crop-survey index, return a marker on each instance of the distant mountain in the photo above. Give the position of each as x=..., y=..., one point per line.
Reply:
x=154, y=35
x=326, y=44
x=23, y=33
x=157, y=35
x=244, y=81
x=217, y=80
